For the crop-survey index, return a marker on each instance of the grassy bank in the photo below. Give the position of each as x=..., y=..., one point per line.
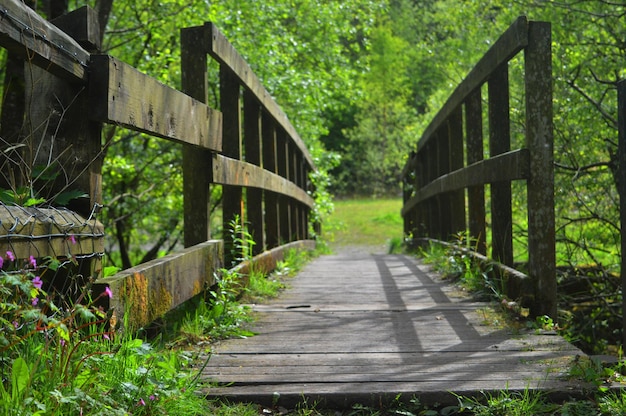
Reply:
x=365, y=222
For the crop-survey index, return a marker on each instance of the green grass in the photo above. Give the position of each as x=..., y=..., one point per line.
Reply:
x=366, y=222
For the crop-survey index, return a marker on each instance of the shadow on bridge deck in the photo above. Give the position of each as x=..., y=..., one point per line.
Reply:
x=364, y=328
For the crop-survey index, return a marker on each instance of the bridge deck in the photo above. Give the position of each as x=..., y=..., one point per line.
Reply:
x=362, y=328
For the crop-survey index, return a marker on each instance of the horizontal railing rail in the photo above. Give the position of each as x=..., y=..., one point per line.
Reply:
x=444, y=179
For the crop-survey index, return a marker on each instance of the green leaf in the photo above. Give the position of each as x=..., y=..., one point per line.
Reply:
x=110, y=270
x=64, y=198
x=45, y=172
x=30, y=202
x=7, y=196
x=63, y=332
x=20, y=376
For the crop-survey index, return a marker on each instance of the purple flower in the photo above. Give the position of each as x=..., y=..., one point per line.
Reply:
x=108, y=292
x=152, y=397
x=33, y=262
x=10, y=255
x=106, y=336
x=37, y=282
x=141, y=403
x=72, y=239
x=15, y=324
x=1, y=262
x=34, y=301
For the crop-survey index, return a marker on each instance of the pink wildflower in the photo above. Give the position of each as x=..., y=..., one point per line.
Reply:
x=141, y=402
x=108, y=292
x=37, y=282
x=34, y=301
x=16, y=324
x=72, y=239
x=1, y=262
x=10, y=255
x=152, y=397
x=33, y=262
x=106, y=336
x=62, y=342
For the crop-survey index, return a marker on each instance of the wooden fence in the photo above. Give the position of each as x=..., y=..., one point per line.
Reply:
x=269, y=187
x=450, y=159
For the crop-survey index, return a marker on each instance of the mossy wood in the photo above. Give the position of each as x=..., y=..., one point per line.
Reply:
x=146, y=292
x=436, y=175
x=122, y=95
x=42, y=232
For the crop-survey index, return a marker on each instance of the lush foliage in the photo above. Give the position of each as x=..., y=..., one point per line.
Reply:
x=61, y=357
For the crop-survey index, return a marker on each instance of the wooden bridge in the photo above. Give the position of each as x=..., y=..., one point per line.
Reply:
x=353, y=326
x=369, y=328
x=389, y=329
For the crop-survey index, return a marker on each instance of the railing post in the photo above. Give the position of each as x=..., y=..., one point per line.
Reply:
x=272, y=223
x=196, y=161
x=443, y=212
x=456, y=161
x=232, y=202
x=252, y=144
x=500, y=142
x=621, y=184
x=475, y=194
x=539, y=136
x=284, y=211
x=60, y=135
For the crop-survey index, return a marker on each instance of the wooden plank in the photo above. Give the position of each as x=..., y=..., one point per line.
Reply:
x=500, y=142
x=26, y=34
x=621, y=189
x=421, y=335
x=233, y=172
x=145, y=292
x=475, y=153
x=508, y=45
x=196, y=162
x=122, y=95
x=82, y=25
x=252, y=145
x=457, y=198
x=221, y=50
x=272, y=224
x=540, y=141
x=233, y=208
x=513, y=165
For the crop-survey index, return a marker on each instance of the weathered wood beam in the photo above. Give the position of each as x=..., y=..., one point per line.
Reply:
x=122, y=95
x=513, y=165
x=143, y=293
x=28, y=35
x=221, y=50
x=233, y=172
x=508, y=45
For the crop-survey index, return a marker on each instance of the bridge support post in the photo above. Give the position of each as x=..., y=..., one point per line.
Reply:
x=500, y=142
x=621, y=185
x=540, y=188
x=475, y=194
x=196, y=161
x=232, y=201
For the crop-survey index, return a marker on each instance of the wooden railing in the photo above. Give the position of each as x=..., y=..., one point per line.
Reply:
x=268, y=188
x=450, y=159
